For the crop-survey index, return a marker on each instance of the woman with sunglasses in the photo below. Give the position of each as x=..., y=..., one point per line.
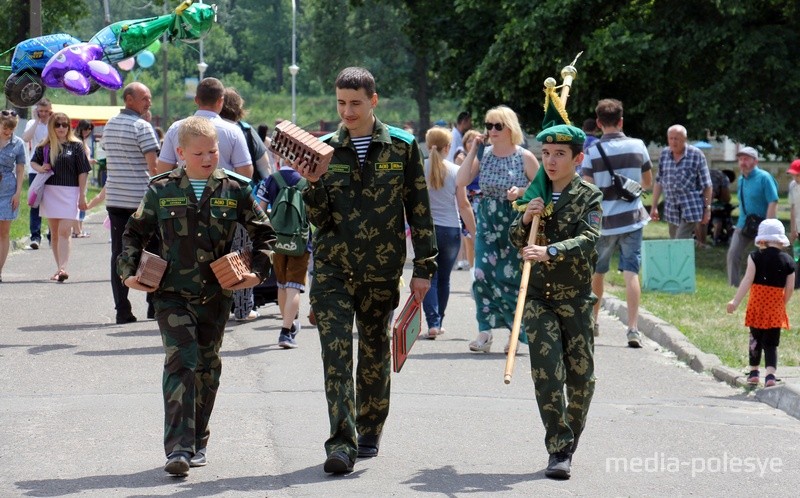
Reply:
x=12, y=172
x=65, y=192
x=505, y=171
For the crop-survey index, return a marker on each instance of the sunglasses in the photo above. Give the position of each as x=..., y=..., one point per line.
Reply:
x=8, y=113
x=496, y=126
x=61, y=125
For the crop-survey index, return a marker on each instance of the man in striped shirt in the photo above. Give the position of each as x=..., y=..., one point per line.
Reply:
x=623, y=221
x=131, y=152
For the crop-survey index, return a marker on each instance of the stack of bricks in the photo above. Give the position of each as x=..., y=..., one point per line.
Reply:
x=229, y=268
x=151, y=269
x=292, y=142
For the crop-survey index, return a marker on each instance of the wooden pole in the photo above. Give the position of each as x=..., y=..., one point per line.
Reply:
x=568, y=75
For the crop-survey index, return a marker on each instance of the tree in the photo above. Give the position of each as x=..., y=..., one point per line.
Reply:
x=714, y=66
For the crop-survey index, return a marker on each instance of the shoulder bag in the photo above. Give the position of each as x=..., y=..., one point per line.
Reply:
x=626, y=189
x=36, y=189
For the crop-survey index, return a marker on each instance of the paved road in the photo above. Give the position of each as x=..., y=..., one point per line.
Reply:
x=81, y=414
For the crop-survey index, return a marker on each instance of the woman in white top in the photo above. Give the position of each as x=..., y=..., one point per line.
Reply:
x=447, y=202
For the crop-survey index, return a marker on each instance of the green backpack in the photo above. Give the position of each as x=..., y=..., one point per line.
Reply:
x=288, y=218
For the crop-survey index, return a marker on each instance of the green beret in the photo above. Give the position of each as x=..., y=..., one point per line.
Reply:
x=562, y=134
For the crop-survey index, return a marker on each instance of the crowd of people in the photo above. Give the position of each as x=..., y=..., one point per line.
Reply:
x=479, y=197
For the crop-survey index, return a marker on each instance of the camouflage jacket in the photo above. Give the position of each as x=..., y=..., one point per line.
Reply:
x=360, y=212
x=193, y=234
x=573, y=228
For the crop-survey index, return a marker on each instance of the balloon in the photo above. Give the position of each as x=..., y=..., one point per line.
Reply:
x=126, y=64
x=155, y=46
x=145, y=59
x=76, y=67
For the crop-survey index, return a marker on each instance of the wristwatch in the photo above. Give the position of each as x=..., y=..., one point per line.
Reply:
x=552, y=251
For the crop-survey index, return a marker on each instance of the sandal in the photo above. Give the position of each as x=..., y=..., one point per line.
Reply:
x=430, y=334
x=83, y=235
x=54, y=278
x=482, y=344
x=61, y=275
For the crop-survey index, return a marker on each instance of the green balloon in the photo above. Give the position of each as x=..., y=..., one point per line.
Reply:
x=155, y=46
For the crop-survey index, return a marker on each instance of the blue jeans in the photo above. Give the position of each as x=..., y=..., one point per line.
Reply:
x=35, y=219
x=448, y=239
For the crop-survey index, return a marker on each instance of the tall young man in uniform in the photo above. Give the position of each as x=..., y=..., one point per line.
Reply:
x=374, y=184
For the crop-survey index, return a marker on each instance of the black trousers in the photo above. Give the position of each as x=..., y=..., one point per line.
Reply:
x=766, y=340
x=119, y=218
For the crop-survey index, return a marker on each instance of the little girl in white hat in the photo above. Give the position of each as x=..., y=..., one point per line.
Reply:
x=770, y=280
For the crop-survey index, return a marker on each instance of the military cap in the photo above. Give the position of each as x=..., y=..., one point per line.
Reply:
x=562, y=134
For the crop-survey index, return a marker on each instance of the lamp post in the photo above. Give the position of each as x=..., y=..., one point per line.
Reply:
x=201, y=66
x=293, y=69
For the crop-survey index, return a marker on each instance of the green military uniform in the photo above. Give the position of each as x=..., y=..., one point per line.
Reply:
x=359, y=252
x=191, y=307
x=558, y=312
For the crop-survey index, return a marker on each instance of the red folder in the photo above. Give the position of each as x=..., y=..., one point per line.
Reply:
x=406, y=329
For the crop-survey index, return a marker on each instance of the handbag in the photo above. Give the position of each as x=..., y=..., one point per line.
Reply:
x=36, y=189
x=750, y=228
x=751, y=222
x=626, y=189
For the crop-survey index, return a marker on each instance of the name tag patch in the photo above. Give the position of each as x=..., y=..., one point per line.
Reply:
x=380, y=167
x=339, y=168
x=218, y=202
x=173, y=201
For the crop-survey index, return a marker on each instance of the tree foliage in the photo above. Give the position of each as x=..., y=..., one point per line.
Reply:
x=715, y=66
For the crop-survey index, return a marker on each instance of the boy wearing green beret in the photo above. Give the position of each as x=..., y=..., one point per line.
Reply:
x=558, y=308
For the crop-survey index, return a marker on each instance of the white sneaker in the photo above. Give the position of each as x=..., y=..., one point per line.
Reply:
x=297, y=327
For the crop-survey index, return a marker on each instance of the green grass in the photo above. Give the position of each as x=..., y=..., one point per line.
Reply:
x=701, y=316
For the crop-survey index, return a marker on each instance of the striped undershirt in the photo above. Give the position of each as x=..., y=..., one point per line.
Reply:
x=361, y=144
x=556, y=197
x=198, y=186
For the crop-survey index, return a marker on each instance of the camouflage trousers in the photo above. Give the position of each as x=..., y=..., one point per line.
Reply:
x=192, y=337
x=561, y=344
x=335, y=302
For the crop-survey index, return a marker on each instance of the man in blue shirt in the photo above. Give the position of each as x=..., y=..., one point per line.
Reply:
x=758, y=195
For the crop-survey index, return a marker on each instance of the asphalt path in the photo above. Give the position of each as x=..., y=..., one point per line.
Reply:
x=81, y=411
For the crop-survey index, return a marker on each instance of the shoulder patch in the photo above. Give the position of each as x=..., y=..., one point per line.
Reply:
x=236, y=176
x=401, y=134
x=160, y=176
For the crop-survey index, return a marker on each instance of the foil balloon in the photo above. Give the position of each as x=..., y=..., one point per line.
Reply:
x=145, y=59
x=126, y=64
x=76, y=67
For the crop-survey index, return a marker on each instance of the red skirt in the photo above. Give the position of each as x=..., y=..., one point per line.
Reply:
x=766, y=308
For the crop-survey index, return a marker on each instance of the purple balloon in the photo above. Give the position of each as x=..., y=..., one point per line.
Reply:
x=73, y=67
x=105, y=75
x=76, y=83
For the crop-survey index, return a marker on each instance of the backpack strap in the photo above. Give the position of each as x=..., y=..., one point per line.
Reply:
x=278, y=177
x=300, y=185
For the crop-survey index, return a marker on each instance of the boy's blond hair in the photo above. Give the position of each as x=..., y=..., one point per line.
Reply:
x=193, y=127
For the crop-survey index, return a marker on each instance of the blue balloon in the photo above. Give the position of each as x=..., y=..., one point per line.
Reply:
x=145, y=59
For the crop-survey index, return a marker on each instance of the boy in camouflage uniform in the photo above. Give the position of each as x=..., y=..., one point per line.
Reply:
x=195, y=210
x=374, y=184
x=558, y=309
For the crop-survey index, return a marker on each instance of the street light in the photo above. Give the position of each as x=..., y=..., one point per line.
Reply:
x=201, y=66
x=294, y=68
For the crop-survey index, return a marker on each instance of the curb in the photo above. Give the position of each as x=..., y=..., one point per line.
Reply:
x=783, y=397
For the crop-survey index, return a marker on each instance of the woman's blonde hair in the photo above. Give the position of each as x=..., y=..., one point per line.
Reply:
x=438, y=140
x=52, y=138
x=505, y=115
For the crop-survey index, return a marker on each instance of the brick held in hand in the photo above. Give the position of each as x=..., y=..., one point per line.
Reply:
x=151, y=269
x=229, y=268
x=292, y=142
